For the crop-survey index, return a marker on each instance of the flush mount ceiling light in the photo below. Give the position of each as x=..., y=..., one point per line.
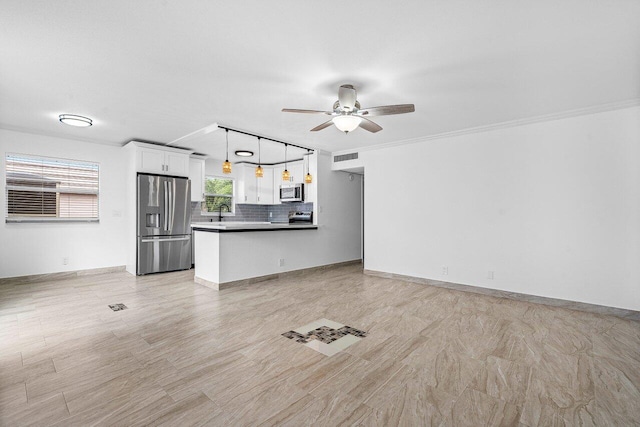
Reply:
x=226, y=166
x=75, y=120
x=244, y=153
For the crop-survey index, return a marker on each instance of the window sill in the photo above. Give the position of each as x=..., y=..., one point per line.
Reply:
x=50, y=220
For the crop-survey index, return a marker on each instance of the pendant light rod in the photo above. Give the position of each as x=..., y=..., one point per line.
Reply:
x=263, y=137
x=227, y=138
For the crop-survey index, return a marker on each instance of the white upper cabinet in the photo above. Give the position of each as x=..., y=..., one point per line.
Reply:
x=177, y=163
x=295, y=173
x=249, y=189
x=252, y=189
x=196, y=175
x=150, y=160
x=161, y=160
x=265, y=187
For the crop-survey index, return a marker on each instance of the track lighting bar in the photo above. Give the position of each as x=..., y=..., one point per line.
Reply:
x=264, y=137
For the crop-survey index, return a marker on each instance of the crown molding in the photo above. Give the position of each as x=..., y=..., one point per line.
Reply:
x=630, y=103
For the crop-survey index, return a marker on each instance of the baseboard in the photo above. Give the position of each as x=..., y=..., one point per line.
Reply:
x=258, y=279
x=571, y=305
x=37, y=278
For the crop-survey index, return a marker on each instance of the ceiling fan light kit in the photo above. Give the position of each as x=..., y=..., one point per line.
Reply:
x=348, y=116
x=346, y=122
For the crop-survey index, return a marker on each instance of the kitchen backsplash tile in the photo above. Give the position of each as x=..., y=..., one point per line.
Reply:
x=254, y=213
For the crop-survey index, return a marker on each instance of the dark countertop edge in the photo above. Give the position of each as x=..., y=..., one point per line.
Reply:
x=243, y=230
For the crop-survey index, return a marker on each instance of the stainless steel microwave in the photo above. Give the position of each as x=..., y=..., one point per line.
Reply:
x=291, y=193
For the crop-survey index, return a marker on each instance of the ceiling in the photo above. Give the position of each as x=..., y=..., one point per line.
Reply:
x=157, y=70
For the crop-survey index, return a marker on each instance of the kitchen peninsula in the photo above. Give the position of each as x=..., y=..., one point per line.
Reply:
x=230, y=253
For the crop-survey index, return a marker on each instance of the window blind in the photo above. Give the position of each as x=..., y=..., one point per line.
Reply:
x=50, y=189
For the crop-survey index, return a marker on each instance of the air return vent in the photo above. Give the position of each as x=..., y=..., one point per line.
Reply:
x=345, y=157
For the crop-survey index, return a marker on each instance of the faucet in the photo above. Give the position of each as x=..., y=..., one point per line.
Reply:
x=220, y=211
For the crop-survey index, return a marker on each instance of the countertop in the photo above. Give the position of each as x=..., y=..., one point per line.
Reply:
x=234, y=227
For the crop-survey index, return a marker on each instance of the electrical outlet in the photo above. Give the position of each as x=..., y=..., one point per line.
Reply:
x=65, y=260
x=445, y=270
x=490, y=275
x=281, y=262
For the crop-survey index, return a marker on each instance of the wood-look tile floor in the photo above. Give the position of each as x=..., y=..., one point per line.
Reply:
x=183, y=354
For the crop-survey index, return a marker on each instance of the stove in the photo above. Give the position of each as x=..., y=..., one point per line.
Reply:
x=300, y=217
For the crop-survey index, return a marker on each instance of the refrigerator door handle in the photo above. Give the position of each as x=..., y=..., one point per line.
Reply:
x=166, y=206
x=172, y=206
x=168, y=239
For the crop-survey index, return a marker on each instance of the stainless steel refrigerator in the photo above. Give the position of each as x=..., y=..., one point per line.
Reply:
x=164, y=217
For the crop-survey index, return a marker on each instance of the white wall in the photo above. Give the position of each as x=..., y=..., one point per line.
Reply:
x=552, y=208
x=27, y=249
x=338, y=213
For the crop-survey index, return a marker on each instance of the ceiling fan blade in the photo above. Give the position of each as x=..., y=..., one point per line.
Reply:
x=322, y=126
x=347, y=97
x=295, y=110
x=367, y=124
x=387, y=110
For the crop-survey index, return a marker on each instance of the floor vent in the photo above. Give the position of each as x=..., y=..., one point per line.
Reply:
x=117, y=307
x=345, y=157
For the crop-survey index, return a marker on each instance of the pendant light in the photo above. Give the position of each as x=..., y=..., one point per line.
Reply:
x=226, y=166
x=259, y=170
x=308, y=179
x=285, y=173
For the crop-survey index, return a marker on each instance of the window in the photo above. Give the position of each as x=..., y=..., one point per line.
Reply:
x=49, y=189
x=218, y=192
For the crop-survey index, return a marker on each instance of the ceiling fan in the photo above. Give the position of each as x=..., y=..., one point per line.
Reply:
x=347, y=114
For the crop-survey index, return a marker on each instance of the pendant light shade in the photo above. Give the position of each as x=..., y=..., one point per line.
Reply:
x=226, y=166
x=259, y=170
x=308, y=179
x=285, y=173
